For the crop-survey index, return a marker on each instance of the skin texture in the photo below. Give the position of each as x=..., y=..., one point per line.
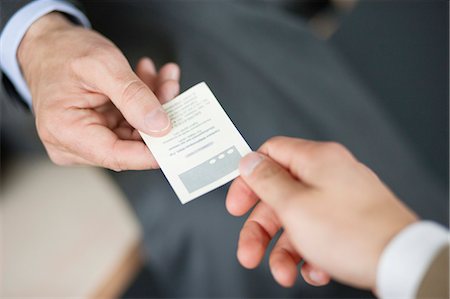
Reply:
x=88, y=101
x=335, y=213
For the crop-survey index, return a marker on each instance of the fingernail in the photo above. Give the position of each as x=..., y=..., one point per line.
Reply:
x=316, y=276
x=157, y=120
x=249, y=163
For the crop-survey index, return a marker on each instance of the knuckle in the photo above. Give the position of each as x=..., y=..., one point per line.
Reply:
x=335, y=150
x=109, y=162
x=309, y=162
x=273, y=142
x=57, y=158
x=311, y=154
x=266, y=171
x=118, y=165
x=106, y=53
x=133, y=90
x=112, y=161
x=101, y=57
x=82, y=64
x=44, y=130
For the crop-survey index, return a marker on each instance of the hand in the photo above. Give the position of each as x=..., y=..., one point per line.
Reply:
x=336, y=214
x=87, y=100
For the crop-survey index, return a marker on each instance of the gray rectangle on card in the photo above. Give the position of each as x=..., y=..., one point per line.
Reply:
x=211, y=170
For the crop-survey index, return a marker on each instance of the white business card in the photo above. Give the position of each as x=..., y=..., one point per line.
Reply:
x=203, y=149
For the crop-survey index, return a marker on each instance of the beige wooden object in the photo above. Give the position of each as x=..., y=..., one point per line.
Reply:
x=65, y=232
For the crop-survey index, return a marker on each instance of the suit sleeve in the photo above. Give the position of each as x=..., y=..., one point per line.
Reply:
x=435, y=283
x=9, y=8
x=17, y=17
x=413, y=263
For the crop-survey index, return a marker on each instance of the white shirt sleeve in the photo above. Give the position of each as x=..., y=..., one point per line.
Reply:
x=406, y=259
x=16, y=28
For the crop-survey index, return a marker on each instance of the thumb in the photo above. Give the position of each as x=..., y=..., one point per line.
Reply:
x=269, y=181
x=137, y=103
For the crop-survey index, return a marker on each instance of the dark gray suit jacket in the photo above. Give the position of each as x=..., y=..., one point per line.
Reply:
x=273, y=77
x=8, y=9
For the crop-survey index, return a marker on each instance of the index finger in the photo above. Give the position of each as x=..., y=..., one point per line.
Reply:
x=102, y=147
x=271, y=182
x=313, y=163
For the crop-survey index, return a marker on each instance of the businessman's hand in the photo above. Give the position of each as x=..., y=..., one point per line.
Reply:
x=336, y=214
x=87, y=100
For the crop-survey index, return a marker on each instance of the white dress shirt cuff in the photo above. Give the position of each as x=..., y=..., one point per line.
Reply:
x=406, y=259
x=14, y=31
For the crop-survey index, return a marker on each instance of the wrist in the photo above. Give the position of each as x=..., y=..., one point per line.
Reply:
x=391, y=231
x=47, y=24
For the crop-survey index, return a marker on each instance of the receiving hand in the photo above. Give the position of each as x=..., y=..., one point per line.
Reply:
x=336, y=214
x=87, y=100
